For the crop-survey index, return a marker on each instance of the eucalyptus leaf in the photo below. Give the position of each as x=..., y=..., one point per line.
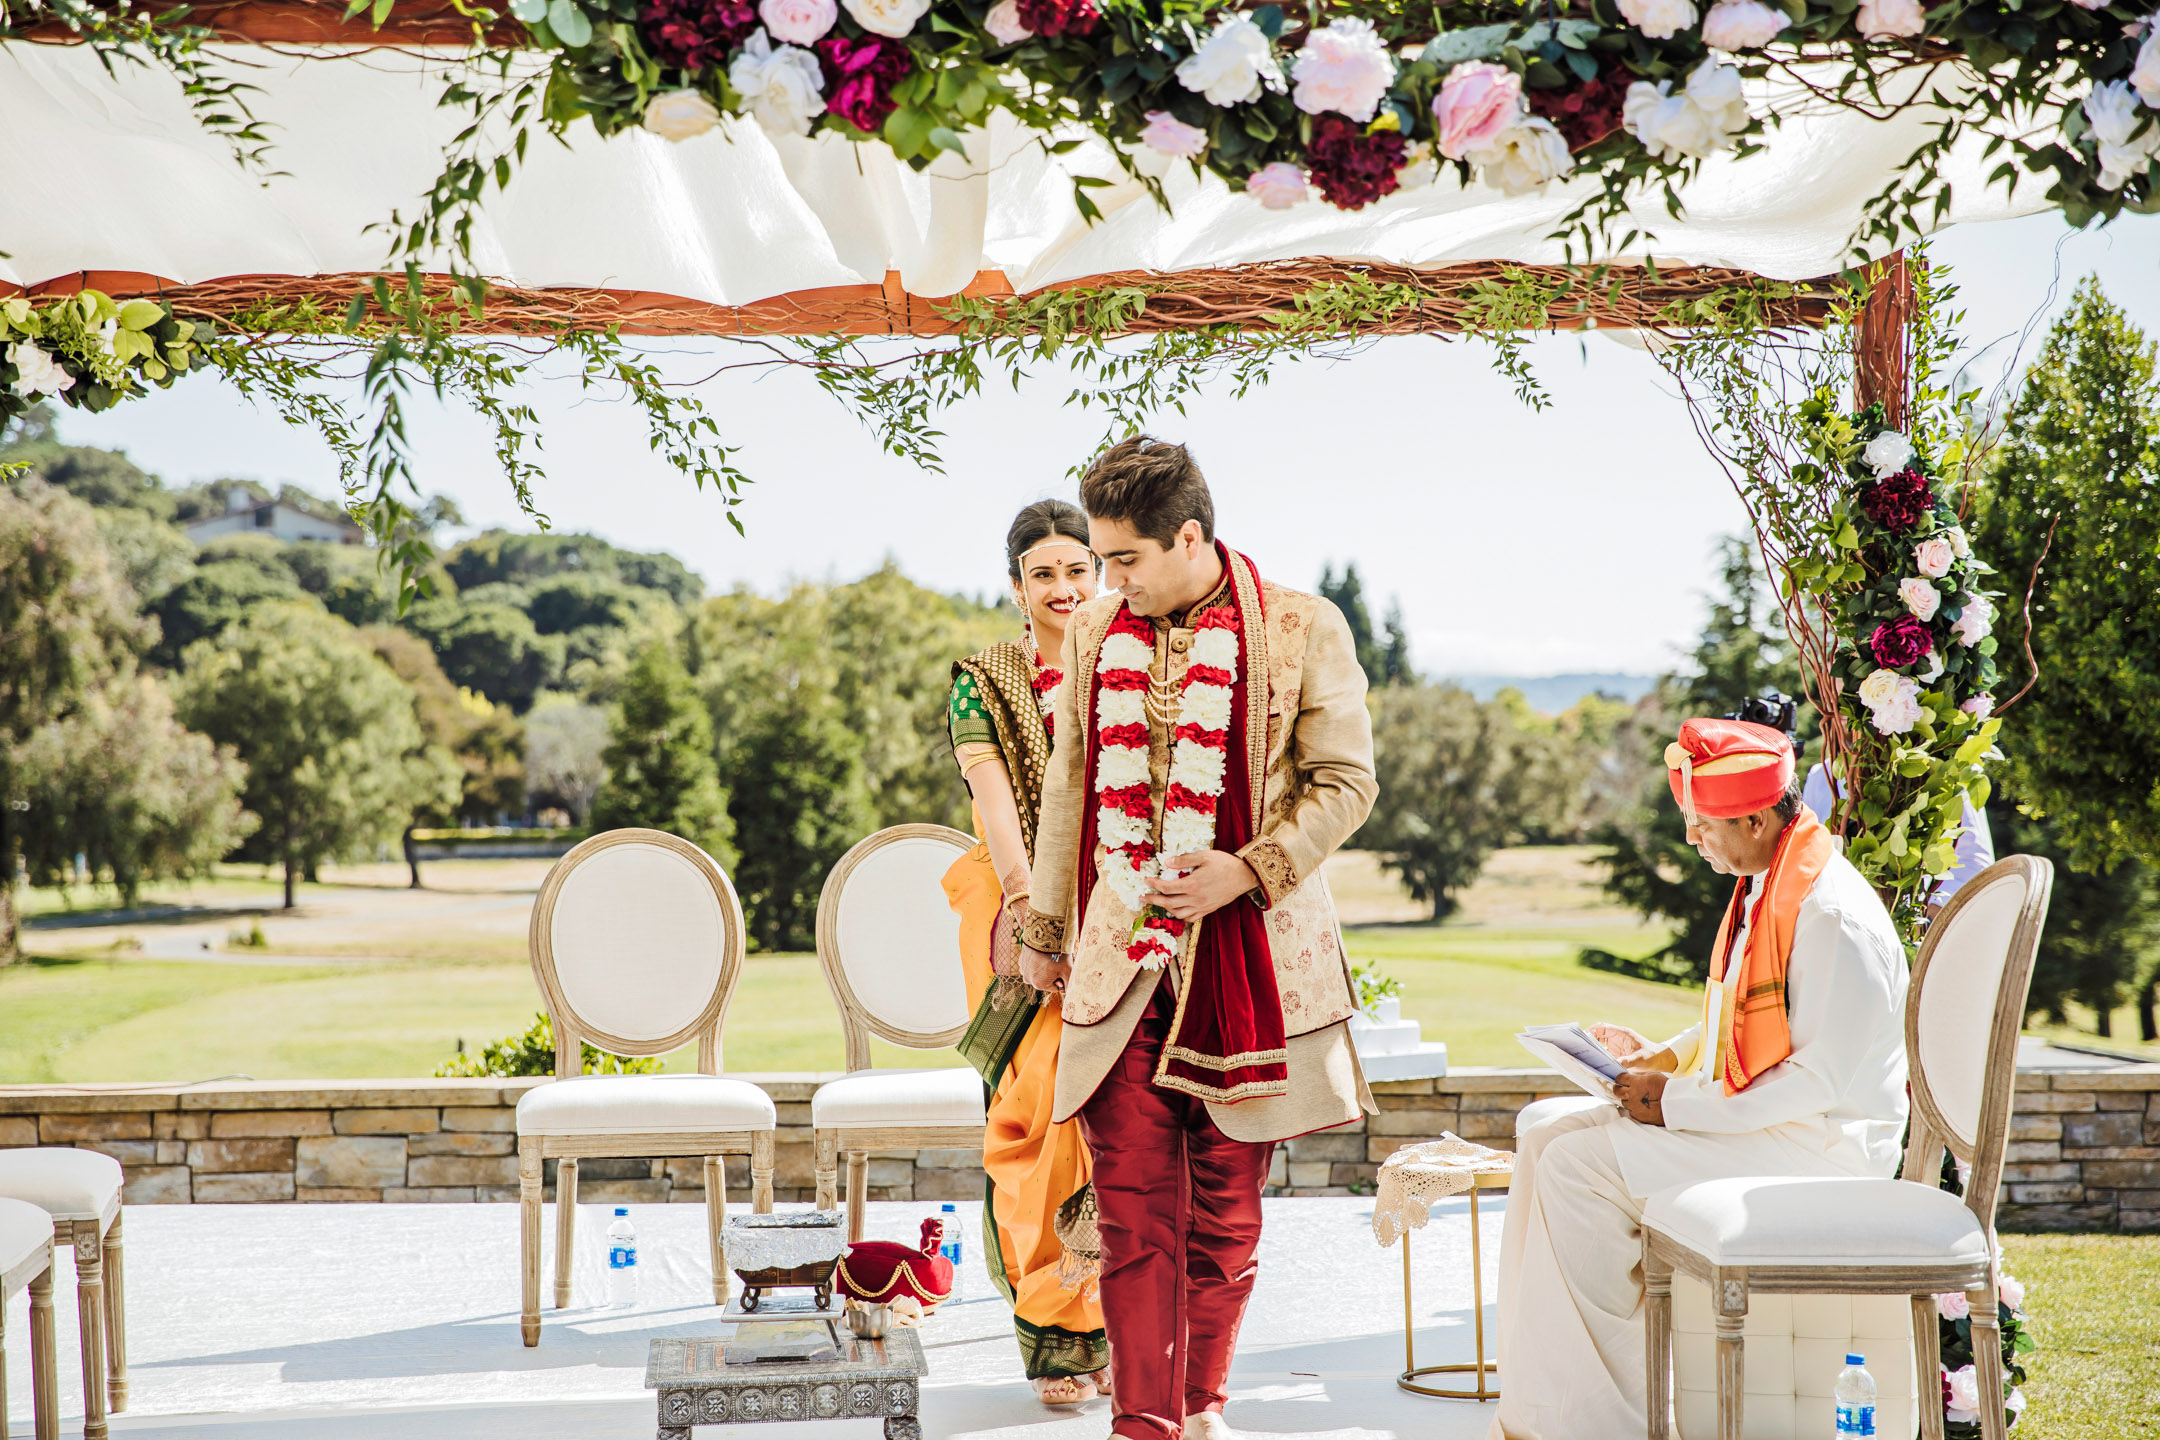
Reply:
x=529, y=11
x=569, y=24
x=1479, y=42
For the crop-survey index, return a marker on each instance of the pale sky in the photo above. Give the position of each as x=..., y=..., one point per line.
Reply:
x=1576, y=539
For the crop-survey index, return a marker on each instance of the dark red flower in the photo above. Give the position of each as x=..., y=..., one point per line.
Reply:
x=1584, y=114
x=860, y=75
x=695, y=34
x=1353, y=169
x=1900, y=641
x=1058, y=17
x=1898, y=502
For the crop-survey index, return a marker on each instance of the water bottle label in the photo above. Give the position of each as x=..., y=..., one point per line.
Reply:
x=1856, y=1419
x=622, y=1257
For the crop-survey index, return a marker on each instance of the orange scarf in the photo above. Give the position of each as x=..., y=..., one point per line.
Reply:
x=1757, y=1030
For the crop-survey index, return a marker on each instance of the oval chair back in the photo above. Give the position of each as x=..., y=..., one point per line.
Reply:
x=637, y=942
x=889, y=941
x=1962, y=1020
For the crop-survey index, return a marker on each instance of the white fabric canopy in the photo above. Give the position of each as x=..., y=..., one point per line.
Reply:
x=98, y=173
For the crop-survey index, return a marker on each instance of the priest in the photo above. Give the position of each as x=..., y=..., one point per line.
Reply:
x=1797, y=1067
x=1213, y=749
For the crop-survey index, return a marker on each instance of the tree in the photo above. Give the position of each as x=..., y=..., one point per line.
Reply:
x=1385, y=661
x=2078, y=475
x=67, y=624
x=660, y=769
x=800, y=802
x=1450, y=787
x=488, y=646
x=100, y=478
x=503, y=555
x=564, y=742
x=120, y=782
x=215, y=597
x=1649, y=865
x=153, y=555
x=336, y=759
x=447, y=723
x=2101, y=946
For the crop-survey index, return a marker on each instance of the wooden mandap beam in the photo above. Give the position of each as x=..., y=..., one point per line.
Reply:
x=1244, y=297
x=319, y=22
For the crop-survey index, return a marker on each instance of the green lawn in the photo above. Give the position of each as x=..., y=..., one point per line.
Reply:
x=2095, y=1306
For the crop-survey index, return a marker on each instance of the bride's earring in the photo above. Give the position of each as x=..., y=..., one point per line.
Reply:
x=1027, y=621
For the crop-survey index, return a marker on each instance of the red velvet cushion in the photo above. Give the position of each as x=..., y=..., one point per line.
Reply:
x=880, y=1271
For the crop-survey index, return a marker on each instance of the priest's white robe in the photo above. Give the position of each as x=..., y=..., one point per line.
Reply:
x=1571, y=1340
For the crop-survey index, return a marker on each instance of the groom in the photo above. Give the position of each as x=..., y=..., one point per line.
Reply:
x=1212, y=750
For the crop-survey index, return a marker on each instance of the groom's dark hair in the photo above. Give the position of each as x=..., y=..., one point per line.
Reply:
x=1151, y=485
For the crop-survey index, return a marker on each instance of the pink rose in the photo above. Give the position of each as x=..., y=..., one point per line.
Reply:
x=1734, y=25
x=1953, y=1306
x=2090, y=4
x=2011, y=1291
x=1278, y=186
x=1961, y=1405
x=1933, y=558
x=1168, y=135
x=1921, y=598
x=1890, y=19
x=1476, y=103
x=1343, y=67
x=1980, y=707
x=1003, y=23
x=798, y=22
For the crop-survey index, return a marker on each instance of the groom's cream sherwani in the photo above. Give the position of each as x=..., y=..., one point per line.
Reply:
x=1572, y=1348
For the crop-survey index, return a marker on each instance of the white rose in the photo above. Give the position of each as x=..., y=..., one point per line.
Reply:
x=1979, y=707
x=1524, y=157
x=1003, y=23
x=1960, y=546
x=798, y=22
x=1933, y=558
x=2145, y=74
x=1975, y=622
x=37, y=373
x=1419, y=169
x=893, y=18
x=1278, y=186
x=1886, y=454
x=1344, y=67
x=1659, y=19
x=1880, y=688
x=1167, y=135
x=1893, y=701
x=1701, y=119
x=1742, y=25
x=779, y=84
x=1890, y=19
x=1934, y=669
x=1232, y=65
x=1962, y=1406
x=2114, y=116
x=1921, y=598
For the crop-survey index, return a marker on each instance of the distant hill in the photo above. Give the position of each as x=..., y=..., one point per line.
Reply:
x=1551, y=694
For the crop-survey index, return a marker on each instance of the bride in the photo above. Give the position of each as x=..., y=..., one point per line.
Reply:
x=999, y=716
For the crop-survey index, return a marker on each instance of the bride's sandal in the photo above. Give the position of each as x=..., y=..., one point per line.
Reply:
x=1064, y=1391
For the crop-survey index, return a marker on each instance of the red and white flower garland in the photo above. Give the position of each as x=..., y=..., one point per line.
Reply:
x=1199, y=759
x=1046, y=681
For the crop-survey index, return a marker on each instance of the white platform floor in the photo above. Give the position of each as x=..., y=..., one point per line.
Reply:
x=368, y=1322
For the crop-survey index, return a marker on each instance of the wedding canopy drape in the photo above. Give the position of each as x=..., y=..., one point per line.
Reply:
x=110, y=173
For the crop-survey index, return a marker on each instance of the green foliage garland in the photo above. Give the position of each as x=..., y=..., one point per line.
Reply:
x=90, y=351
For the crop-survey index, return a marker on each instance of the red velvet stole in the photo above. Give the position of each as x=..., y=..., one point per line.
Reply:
x=1226, y=1043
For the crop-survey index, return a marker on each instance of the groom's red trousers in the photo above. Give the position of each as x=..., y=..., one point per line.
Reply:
x=1178, y=1205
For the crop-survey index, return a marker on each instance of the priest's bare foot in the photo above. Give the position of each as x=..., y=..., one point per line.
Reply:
x=1062, y=1391
x=1208, y=1425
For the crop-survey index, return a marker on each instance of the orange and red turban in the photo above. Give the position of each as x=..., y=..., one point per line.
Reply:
x=1724, y=769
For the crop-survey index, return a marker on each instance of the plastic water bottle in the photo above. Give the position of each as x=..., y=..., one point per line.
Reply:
x=622, y=1261
x=951, y=1249
x=1855, y=1394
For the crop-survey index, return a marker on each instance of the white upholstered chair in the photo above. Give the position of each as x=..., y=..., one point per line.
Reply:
x=890, y=946
x=637, y=942
x=26, y=1262
x=80, y=1191
x=1861, y=1236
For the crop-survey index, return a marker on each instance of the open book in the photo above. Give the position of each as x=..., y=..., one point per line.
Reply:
x=1570, y=1050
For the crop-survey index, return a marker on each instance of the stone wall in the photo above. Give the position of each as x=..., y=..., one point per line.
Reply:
x=2084, y=1147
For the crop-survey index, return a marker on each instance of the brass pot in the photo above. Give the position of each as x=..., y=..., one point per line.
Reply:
x=868, y=1322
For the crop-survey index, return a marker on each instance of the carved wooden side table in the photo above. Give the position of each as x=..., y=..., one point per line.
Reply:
x=871, y=1380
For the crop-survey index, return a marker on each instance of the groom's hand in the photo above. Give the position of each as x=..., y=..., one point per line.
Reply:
x=1211, y=880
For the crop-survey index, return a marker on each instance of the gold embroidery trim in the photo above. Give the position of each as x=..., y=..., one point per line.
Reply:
x=1250, y=1090
x=1042, y=932
x=1226, y=1062
x=1271, y=864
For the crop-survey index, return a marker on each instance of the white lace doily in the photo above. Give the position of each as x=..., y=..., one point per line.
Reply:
x=1415, y=1176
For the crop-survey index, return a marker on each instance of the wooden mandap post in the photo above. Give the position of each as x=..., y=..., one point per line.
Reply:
x=1880, y=368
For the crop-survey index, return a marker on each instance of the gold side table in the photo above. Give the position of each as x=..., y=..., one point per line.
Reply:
x=1481, y=1367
